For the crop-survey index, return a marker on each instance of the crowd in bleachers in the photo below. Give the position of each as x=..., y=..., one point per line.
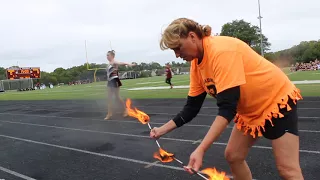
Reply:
x=310, y=66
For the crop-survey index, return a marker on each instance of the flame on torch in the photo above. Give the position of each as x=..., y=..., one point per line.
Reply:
x=215, y=175
x=163, y=156
x=141, y=116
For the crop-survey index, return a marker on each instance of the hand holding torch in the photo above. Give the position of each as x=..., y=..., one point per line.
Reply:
x=166, y=157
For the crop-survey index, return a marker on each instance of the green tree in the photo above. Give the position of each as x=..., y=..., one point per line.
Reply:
x=246, y=32
x=270, y=56
x=306, y=51
x=2, y=73
x=47, y=78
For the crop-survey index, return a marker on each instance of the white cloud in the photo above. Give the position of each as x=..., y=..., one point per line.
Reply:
x=51, y=33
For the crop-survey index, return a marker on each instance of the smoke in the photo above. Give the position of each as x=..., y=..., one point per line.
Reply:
x=282, y=62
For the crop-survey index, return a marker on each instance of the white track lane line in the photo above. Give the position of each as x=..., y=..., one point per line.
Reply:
x=205, y=107
x=159, y=113
x=15, y=173
x=94, y=153
x=180, y=107
x=133, y=121
x=141, y=136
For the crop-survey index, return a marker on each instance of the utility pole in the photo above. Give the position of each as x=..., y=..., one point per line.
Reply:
x=260, y=17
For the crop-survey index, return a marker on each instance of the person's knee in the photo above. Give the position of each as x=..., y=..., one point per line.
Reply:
x=289, y=172
x=234, y=156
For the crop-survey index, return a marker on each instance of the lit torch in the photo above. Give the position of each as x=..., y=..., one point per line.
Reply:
x=215, y=175
x=165, y=156
x=141, y=116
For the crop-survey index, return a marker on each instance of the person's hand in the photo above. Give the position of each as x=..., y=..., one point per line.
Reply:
x=156, y=133
x=195, y=161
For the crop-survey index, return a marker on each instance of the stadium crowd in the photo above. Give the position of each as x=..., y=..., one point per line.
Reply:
x=310, y=66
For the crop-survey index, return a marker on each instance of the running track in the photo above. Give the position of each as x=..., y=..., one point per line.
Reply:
x=67, y=140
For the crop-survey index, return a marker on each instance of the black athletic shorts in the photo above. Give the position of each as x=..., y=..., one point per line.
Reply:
x=288, y=123
x=168, y=81
x=114, y=83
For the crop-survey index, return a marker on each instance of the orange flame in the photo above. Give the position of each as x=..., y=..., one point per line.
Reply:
x=215, y=175
x=163, y=156
x=141, y=116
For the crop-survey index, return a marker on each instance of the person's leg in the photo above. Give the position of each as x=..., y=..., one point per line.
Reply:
x=236, y=153
x=110, y=97
x=285, y=143
x=117, y=95
x=168, y=81
x=286, y=153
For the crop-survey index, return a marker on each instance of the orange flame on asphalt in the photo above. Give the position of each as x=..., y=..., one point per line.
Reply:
x=163, y=156
x=215, y=175
x=141, y=116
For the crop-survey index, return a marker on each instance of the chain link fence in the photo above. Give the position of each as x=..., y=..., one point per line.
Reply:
x=1, y=86
x=17, y=84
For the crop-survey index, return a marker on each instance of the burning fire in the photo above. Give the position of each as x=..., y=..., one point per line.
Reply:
x=214, y=174
x=163, y=156
x=141, y=116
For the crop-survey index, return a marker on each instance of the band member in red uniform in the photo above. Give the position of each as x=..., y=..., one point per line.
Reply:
x=168, y=75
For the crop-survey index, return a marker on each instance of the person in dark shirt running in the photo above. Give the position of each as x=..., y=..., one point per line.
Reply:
x=168, y=75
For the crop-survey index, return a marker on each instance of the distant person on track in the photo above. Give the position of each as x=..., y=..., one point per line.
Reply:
x=249, y=89
x=168, y=75
x=114, y=83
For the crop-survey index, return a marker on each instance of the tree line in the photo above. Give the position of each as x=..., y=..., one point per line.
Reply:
x=81, y=73
x=304, y=52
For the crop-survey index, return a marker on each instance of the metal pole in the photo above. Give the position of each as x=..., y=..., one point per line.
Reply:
x=179, y=160
x=156, y=140
x=260, y=17
x=85, y=46
x=198, y=173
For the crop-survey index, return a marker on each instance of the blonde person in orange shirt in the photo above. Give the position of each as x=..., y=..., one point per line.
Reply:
x=249, y=89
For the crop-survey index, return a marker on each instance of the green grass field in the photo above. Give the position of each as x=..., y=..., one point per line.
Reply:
x=304, y=75
x=98, y=90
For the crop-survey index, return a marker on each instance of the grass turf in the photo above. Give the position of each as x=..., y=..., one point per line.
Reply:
x=98, y=90
x=304, y=75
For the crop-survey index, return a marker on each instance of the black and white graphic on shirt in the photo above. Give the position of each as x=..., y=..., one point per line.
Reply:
x=212, y=90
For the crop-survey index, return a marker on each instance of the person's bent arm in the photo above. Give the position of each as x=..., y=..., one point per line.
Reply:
x=123, y=63
x=189, y=111
x=227, y=102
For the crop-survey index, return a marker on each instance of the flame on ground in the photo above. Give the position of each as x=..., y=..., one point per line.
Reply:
x=163, y=156
x=141, y=116
x=215, y=175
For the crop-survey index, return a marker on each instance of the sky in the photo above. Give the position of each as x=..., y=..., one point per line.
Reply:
x=52, y=33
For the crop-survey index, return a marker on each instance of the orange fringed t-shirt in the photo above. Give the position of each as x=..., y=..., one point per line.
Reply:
x=229, y=62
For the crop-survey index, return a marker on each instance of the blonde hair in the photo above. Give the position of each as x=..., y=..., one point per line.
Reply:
x=112, y=52
x=180, y=28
